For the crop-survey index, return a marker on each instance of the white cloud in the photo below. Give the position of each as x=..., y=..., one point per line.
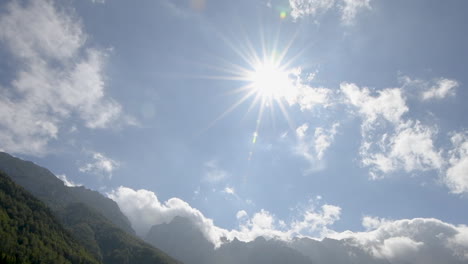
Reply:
x=38, y=29
x=265, y=224
x=324, y=138
x=305, y=145
x=413, y=147
x=348, y=8
x=399, y=247
x=409, y=148
x=300, y=8
x=388, y=104
x=371, y=223
x=456, y=176
x=213, y=173
x=317, y=220
x=241, y=214
x=229, y=190
x=390, y=142
x=418, y=241
x=57, y=77
x=101, y=165
x=443, y=88
x=305, y=95
x=144, y=210
x=67, y=182
x=301, y=130
x=312, y=147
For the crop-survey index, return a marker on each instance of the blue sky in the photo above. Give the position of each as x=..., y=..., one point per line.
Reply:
x=135, y=100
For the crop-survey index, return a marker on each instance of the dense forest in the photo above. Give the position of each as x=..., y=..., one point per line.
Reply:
x=44, y=221
x=30, y=233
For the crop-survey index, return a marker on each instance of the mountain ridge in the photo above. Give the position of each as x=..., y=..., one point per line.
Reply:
x=30, y=233
x=86, y=214
x=44, y=185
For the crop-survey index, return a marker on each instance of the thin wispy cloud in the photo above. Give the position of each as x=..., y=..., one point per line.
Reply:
x=442, y=89
x=349, y=9
x=313, y=146
x=213, y=173
x=66, y=181
x=100, y=165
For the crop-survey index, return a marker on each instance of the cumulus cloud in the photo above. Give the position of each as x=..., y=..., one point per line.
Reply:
x=443, y=88
x=241, y=214
x=388, y=104
x=391, y=142
x=57, y=77
x=409, y=148
x=456, y=176
x=100, y=165
x=213, y=173
x=144, y=210
x=348, y=8
x=307, y=97
x=314, y=220
x=419, y=240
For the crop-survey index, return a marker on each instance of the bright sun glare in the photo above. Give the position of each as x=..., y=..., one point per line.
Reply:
x=267, y=76
x=270, y=81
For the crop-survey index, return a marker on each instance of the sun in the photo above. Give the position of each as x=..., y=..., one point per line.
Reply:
x=267, y=76
x=270, y=81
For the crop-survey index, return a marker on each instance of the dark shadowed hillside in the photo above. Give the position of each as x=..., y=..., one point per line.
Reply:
x=29, y=232
x=183, y=240
x=93, y=220
x=106, y=241
x=44, y=185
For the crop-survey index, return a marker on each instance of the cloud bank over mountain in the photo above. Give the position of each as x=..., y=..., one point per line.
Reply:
x=418, y=240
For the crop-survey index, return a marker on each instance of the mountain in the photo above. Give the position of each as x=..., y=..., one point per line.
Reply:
x=30, y=233
x=333, y=251
x=106, y=241
x=44, y=185
x=93, y=220
x=259, y=251
x=183, y=240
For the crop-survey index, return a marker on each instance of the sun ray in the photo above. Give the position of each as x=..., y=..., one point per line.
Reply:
x=230, y=109
x=266, y=72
